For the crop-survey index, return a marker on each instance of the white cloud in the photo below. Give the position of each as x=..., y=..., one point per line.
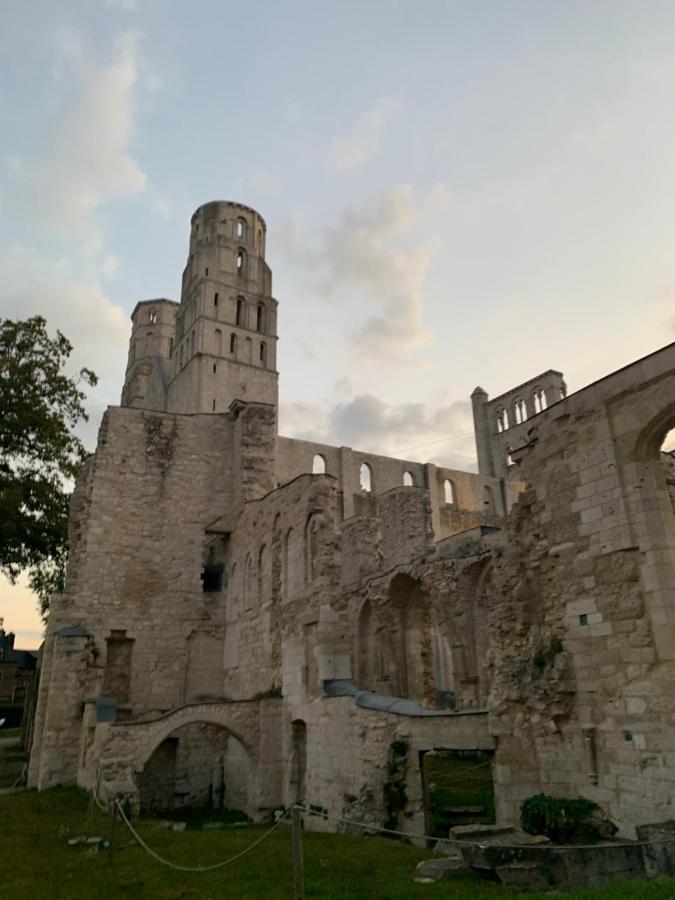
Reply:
x=89, y=161
x=415, y=431
x=383, y=254
x=359, y=146
x=76, y=305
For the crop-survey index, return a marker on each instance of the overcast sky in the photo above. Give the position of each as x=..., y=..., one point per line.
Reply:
x=457, y=193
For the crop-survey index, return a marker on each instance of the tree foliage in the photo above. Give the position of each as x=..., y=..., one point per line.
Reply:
x=40, y=455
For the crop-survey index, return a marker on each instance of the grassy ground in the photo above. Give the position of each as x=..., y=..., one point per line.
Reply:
x=37, y=861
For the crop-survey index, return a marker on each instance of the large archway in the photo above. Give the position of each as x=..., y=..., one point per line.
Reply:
x=649, y=475
x=198, y=765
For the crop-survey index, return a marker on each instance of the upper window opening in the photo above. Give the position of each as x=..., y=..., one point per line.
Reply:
x=212, y=576
x=215, y=299
x=240, y=228
x=448, y=491
x=233, y=343
x=260, y=317
x=241, y=261
x=206, y=271
x=408, y=479
x=263, y=353
x=152, y=317
x=318, y=465
x=519, y=411
x=365, y=478
x=240, y=311
x=539, y=399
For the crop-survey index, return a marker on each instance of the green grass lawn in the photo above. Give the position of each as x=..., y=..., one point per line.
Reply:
x=35, y=860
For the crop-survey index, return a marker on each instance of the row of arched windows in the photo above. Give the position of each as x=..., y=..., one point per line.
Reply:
x=520, y=410
x=366, y=478
x=299, y=557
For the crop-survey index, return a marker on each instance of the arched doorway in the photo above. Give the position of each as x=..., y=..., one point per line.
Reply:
x=198, y=765
x=410, y=607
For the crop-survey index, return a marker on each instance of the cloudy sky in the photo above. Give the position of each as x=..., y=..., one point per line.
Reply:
x=457, y=193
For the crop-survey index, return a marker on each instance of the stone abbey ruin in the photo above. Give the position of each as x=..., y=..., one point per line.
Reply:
x=251, y=619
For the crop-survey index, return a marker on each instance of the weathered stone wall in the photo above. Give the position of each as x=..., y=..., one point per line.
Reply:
x=581, y=604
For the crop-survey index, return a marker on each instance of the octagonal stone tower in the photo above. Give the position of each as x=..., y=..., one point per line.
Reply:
x=223, y=345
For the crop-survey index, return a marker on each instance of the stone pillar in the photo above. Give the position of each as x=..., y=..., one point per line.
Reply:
x=432, y=487
x=349, y=481
x=481, y=425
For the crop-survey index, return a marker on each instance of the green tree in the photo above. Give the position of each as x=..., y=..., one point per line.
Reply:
x=40, y=455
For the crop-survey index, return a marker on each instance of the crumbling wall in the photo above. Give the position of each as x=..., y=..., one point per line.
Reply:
x=579, y=606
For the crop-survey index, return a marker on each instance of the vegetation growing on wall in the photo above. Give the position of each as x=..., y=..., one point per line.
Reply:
x=395, y=796
x=561, y=819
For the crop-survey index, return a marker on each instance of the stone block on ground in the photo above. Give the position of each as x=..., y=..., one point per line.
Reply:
x=436, y=869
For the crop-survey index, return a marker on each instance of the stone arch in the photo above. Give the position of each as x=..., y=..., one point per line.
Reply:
x=264, y=574
x=375, y=659
x=313, y=531
x=410, y=605
x=217, y=748
x=650, y=509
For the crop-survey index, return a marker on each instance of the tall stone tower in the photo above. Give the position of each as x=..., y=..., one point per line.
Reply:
x=219, y=343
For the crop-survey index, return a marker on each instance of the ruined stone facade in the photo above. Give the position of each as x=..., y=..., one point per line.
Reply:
x=242, y=610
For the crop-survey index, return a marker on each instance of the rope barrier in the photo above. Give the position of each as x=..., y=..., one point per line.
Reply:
x=180, y=868
x=377, y=828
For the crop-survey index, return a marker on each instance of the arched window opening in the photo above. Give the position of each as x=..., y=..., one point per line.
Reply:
x=152, y=316
x=489, y=500
x=448, y=491
x=219, y=344
x=260, y=239
x=408, y=479
x=292, y=564
x=260, y=317
x=240, y=311
x=263, y=353
x=519, y=411
x=241, y=262
x=214, y=368
x=365, y=478
x=250, y=586
x=505, y=420
x=264, y=574
x=318, y=465
x=500, y=423
x=313, y=538
x=233, y=344
x=213, y=404
x=215, y=299
x=248, y=351
x=539, y=399
x=240, y=228
x=206, y=271
x=668, y=461
x=509, y=458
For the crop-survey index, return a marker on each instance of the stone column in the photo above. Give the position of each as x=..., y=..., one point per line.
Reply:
x=481, y=425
